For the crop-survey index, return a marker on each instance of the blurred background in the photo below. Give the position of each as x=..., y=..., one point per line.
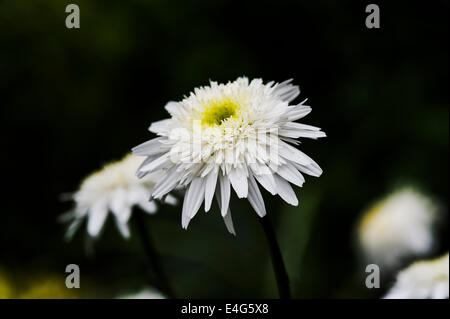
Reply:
x=75, y=99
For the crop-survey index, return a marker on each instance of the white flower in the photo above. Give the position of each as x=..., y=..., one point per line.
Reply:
x=116, y=189
x=231, y=134
x=422, y=280
x=397, y=227
x=145, y=293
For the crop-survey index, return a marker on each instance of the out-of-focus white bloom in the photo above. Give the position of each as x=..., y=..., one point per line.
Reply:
x=397, y=227
x=143, y=294
x=231, y=135
x=427, y=279
x=116, y=189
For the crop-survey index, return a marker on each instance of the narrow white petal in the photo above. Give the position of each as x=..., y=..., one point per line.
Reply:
x=149, y=159
x=184, y=216
x=285, y=191
x=300, y=126
x=148, y=148
x=224, y=193
x=195, y=196
x=124, y=214
x=171, y=200
x=286, y=91
x=291, y=174
x=158, y=163
x=227, y=217
x=229, y=222
x=238, y=179
x=298, y=112
x=167, y=183
x=123, y=228
x=96, y=219
x=172, y=107
x=119, y=206
x=73, y=227
x=296, y=132
x=312, y=169
x=291, y=153
x=210, y=187
x=268, y=182
x=159, y=126
x=148, y=206
x=255, y=198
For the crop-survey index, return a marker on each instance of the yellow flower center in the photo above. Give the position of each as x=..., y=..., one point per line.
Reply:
x=218, y=111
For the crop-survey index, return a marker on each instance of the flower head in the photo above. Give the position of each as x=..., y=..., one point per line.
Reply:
x=231, y=135
x=397, y=227
x=116, y=189
x=426, y=279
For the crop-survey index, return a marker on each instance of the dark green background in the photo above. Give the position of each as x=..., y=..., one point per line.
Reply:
x=75, y=99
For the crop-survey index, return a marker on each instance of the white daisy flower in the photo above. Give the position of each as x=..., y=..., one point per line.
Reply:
x=116, y=189
x=397, y=227
x=426, y=279
x=231, y=135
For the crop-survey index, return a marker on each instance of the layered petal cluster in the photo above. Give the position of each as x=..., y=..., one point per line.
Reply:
x=115, y=189
x=426, y=279
x=239, y=136
x=397, y=227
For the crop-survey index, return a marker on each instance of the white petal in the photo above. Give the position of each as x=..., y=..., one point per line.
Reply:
x=210, y=187
x=227, y=217
x=285, y=191
x=159, y=126
x=171, y=200
x=141, y=174
x=296, y=130
x=172, y=107
x=158, y=163
x=298, y=112
x=96, y=219
x=312, y=169
x=229, y=223
x=268, y=182
x=148, y=148
x=148, y=206
x=255, y=198
x=224, y=193
x=286, y=91
x=291, y=174
x=238, y=179
x=123, y=228
x=124, y=214
x=119, y=206
x=184, y=216
x=167, y=183
x=195, y=196
x=291, y=153
x=73, y=227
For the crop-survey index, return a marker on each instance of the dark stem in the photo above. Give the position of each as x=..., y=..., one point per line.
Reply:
x=152, y=255
x=277, y=260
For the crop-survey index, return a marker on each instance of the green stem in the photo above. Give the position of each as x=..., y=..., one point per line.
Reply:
x=152, y=255
x=277, y=260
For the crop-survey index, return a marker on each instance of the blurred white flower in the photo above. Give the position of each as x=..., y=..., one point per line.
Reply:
x=426, y=279
x=234, y=134
x=116, y=189
x=145, y=293
x=397, y=227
